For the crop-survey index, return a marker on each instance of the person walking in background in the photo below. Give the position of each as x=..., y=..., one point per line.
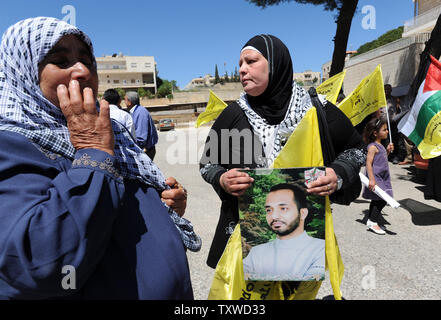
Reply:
x=116, y=113
x=146, y=135
x=377, y=169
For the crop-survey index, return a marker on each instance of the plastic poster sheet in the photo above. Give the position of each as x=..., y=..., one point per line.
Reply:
x=282, y=226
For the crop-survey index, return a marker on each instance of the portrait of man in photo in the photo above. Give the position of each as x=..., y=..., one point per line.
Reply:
x=293, y=255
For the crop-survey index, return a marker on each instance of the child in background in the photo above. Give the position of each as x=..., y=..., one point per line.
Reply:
x=377, y=169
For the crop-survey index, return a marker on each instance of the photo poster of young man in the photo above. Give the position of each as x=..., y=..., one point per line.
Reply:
x=283, y=227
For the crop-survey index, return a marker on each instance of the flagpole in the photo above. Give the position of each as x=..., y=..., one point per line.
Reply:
x=388, y=125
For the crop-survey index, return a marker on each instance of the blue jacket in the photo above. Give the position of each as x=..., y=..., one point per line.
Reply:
x=116, y=234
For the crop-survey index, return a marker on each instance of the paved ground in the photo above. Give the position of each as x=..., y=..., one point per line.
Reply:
x=403, y=264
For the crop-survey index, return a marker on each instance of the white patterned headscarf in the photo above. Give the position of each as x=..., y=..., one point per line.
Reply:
x=24, y=109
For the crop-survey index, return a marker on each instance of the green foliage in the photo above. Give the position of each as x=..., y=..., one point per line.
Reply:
x=142, y=92
x=330, y=5
x=385, y=38
x=121, y=92
x=165, y=89
x=226, y=78
x=150, y=95
x=216, y=75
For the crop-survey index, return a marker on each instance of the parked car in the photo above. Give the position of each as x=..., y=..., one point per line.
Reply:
x=166, y=124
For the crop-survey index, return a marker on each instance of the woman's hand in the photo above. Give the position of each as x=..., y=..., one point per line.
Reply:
x=176, y=198
x=87, y=128
x=324, y=185
x=235, y=182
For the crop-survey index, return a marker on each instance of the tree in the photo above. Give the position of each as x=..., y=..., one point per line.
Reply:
x=158, y=79
x=216, y=75
x=236, y=75
x=121, y=92
x=142, y=92
x=226, y=77
x=346, y=10
x=165, y=90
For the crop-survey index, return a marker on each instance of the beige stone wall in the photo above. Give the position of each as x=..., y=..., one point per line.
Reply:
x=399, y=67
x=226, y=92
x=426, y=5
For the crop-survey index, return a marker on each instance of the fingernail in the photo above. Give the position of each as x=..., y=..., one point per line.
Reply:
x=61, y=86
x=74, y=83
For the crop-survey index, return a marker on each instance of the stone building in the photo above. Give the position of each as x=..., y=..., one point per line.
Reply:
x=126, y=72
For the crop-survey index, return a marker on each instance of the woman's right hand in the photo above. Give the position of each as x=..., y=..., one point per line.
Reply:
x=235, y=182
x=87, y=128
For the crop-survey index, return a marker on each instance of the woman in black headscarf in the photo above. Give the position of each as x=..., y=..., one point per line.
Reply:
x=251, y=132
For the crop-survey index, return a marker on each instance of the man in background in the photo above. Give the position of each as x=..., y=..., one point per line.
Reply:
x=146, y=135
x=116, y=113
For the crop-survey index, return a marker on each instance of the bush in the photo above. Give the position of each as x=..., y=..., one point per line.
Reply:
x=385, y=38
x=142, y=92
x=165, y=89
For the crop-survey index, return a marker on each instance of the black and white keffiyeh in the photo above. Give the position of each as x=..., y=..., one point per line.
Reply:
x=24, y=109
x=274, y=137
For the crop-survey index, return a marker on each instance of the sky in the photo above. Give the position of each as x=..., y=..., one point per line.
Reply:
x=188, y=38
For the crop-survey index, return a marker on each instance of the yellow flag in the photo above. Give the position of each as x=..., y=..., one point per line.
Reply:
x=331, y=87
x=302, y=149
x=214, y=108
x=367, y=98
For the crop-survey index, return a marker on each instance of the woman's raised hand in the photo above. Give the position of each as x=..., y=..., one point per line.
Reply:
x=87, y=128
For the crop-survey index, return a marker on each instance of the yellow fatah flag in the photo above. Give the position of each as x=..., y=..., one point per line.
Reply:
x=214, y=108
x=331, y=87
x=303, y=149
x=367, y=98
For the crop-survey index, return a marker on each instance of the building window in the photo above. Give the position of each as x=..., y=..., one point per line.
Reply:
x=125, y=81
x=108, y=81
x=115, y=81
x=132, y=81
x=133, y=65
x=147, y=65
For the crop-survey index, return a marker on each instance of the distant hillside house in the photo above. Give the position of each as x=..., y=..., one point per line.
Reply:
x=126, y=72
x=205, y=81
x=307, y=78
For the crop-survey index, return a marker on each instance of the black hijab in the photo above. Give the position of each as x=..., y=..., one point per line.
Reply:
x=273, y=103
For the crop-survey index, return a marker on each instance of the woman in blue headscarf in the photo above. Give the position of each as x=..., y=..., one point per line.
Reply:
x=81, y=214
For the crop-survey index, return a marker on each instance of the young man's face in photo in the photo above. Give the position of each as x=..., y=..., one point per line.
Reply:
x=282, y=214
